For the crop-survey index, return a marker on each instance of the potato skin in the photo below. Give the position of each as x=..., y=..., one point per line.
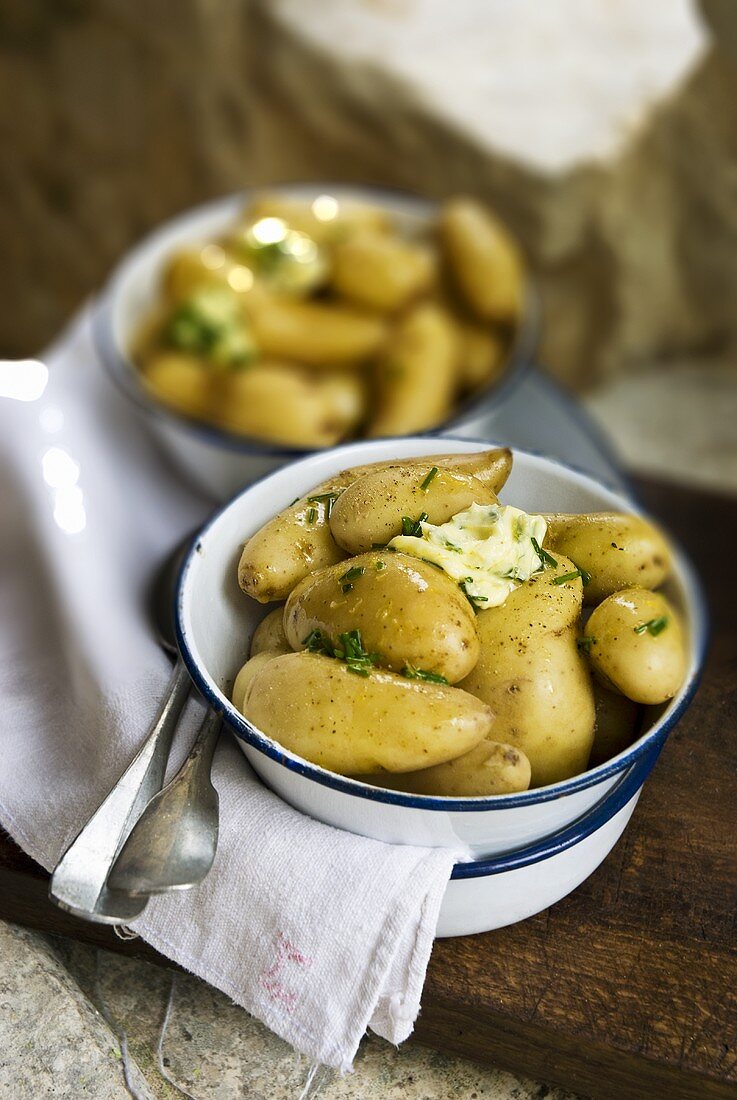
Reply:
x=269, y=636
x=317, y=708
x=616, y=724
x=484, y=259
x=406, y=610
x=242, y=682
x=645, y=668
x=370, y=511
x=489, y=768
x=618, y=550
x=290, y=546
x=315, y=333
x=532, y=676
x=491, y=468
x=381, y=272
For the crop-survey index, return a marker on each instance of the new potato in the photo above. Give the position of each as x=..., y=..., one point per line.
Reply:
x=616, y=724
x=370, y=510
x=647, y=667
x=532, y=676
x=617, y=550
x=484, y=260
x=246, y=675
x=317, y=708
x=406, y=611
x=269, y=636
x=381, y=272
x=489, y=768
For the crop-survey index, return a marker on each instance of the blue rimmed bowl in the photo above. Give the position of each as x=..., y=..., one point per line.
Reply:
x=215, y=622
x=216, y=460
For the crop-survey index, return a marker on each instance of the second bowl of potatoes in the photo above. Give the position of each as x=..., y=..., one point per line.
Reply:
x=433, y=642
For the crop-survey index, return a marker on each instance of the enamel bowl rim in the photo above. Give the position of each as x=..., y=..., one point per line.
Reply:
x=122, y=371
x=242, y=728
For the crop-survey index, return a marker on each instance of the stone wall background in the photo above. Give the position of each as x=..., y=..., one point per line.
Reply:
x=115, y=114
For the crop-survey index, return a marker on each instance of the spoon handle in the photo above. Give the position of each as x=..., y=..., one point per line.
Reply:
x=78, y=883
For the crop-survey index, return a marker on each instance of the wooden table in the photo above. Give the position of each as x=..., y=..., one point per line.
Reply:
x=627, y=988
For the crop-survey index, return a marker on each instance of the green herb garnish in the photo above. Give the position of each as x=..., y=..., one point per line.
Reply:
x=356, y=571
x=429, y=479
x=473, y=600
x=413, y=527
x=328, y=499
x=544, y=556
x=349, y=649
x=653, y=626
x=585, y=577
x=452, y=546
x=585, y=644
x=413, y=673
x=311, y=515
x=380, y=565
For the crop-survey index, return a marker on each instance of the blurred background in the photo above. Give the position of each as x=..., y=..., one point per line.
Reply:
x=604, y=133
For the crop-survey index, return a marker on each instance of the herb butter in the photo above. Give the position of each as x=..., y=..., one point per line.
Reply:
x=488, y=549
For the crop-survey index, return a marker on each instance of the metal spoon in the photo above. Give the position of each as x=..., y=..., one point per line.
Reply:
x=78, y=883
x=173, y=843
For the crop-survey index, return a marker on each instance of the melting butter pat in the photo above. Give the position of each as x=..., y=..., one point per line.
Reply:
x=488, y=549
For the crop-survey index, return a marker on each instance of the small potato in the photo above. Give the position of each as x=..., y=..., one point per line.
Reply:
x=417, y=376
x=316, y=707
x=618, y=550
x=180, y=381
x=192, y=269
x=636, y=645
x=246, y=675
x=269, y=636
x=294, y=543
x=484, y=260
x=381, y=272
x=315, y=333
x=489, y=768
x=483, y=357
x=491, y=468
x=616, y=724
x=407, y=611
x=325, y=219
x=284, y=403
x=370, y=511
x=532, y=676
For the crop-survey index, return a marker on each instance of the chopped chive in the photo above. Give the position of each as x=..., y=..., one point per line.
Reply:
x=413, y=673
x=429, y=479
x=380, y=565
x=346, y=588
x=544, y=556
x=294, y=502
x=311, y=515
x=413, y=527
x=585, y=577
x=473, y=600
x=328, y=499
x=585, y=644
x=653, y=626
x=356, y=571
x=452, y=546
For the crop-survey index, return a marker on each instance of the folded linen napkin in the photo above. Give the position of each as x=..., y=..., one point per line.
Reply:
x=317, y=932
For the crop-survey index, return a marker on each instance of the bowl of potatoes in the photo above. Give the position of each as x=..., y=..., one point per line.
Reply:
x=264, y=326
x=438, y=642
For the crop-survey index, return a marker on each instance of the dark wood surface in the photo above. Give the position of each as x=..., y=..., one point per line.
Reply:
x=627, y=988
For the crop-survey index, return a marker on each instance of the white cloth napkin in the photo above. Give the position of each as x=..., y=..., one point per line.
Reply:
x=317, y=932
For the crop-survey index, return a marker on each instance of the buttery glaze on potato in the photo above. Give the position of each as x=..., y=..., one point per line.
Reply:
x=316, y=707
x=532, y=676
x=370, y=511
x=645, y=663
x=297, y=540
x=489, y=768
x=407, y=611
x=618, y=551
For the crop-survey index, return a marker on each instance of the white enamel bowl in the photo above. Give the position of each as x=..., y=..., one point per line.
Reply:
x=216, y=460
x=215, y=622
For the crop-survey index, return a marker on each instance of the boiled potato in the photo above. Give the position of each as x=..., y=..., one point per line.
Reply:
x=532, y=676
x=635, y=643
x=381, y=272
x=489, y=768
x=315, y=333
x=491, y=468
x=246, y=675
x=269, y=636
x=284, y=403
x=616, y=724
x=192, y=269
x=180, y=381
x=417, y=376
x=484, y=260
x=291, y=545
x=482, y=358
x=408, y=612
x=324, y=218
x=319, y=709
x=370, y=511
x=617, y=550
